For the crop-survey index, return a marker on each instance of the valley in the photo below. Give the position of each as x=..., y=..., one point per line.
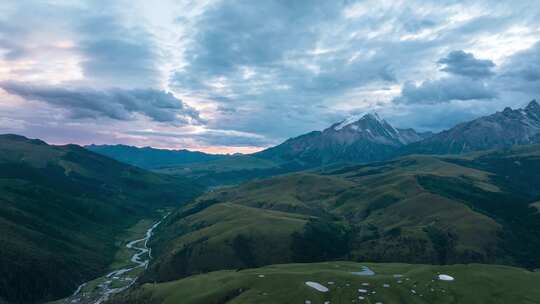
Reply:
x=130, y=261
x=61, y=211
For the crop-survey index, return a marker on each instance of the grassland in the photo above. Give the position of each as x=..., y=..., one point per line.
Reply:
x=415, y=209
x=231, y=170
x=405, y=283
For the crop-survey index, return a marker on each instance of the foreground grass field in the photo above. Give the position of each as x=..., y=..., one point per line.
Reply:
x=391, y=283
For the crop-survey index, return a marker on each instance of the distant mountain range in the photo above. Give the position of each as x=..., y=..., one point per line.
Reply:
x=370, y=138
x=359, y=139
x=151, y=158
x=502, y=129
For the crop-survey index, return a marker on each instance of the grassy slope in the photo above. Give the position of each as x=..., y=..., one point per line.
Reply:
x=60, y=208
x=230, y=170
x=224, y=236
x=401, y=210
x=473, y=283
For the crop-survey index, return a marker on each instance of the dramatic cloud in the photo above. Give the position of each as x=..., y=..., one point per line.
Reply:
x=445, y=90
x=465, y=64
x=211, y=137
x=115, y=104
x=117, y=54
x=522, y=71
x=464, y=83
x=91, y=38
x=248, y=74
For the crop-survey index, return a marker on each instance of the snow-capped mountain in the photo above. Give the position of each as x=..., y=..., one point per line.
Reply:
x=358, y=139
x=499, y=130
x=371, y=126
x=370, y=138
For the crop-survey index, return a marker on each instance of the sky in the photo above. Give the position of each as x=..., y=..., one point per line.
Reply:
x=225, y=76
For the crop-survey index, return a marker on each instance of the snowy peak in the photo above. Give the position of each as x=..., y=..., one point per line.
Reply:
x=373, y=128
x=533, y=106
x=355, y=119
x=360, y=138
x=368, y=137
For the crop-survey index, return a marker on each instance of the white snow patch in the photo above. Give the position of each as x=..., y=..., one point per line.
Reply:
x=445, y=277
x=365, y=272
x=317, y=286
x=355, y=118
x=347, y=122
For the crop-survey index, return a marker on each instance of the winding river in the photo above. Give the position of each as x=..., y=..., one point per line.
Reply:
x=99, y=290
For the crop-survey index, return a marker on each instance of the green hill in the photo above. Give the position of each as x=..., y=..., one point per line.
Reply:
x=230, y=170
x=60, y=210
x=420, y=209
x=391, y=283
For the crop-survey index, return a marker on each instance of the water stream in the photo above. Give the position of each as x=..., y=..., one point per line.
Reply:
x=99, y=290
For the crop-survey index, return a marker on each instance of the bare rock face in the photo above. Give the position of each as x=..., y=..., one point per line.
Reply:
x=499, y=130
x=357, y=139
x=369, y=138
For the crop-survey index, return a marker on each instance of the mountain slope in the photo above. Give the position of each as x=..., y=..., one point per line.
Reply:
x=60, y=208
x=232, y=170
x=502, y=129
x=419, y=209
x=151, y=158
x=364, y=139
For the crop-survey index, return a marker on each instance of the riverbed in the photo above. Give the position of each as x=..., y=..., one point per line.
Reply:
x=99, y=290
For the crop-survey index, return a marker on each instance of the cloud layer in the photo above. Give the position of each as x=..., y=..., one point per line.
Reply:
x=465, y=64
x=115, y=104
x=253, y=73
